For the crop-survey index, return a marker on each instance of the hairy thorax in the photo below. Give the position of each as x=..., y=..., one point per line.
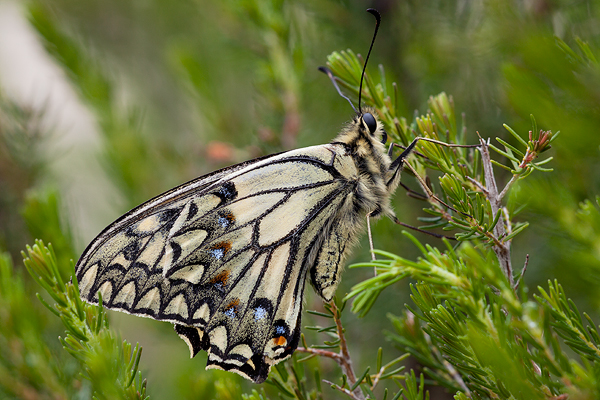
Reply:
x=374, y=181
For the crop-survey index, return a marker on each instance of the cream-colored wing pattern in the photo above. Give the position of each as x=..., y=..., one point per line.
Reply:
x=224, y=257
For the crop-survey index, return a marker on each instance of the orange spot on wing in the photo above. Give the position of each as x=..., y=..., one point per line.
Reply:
x=225, y=246
x=280, y=341
x=233, y=304
x=232, y=308
x=230, y=217
x=221, y=278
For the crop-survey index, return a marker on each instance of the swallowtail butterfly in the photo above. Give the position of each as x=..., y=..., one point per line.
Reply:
x=225, y=257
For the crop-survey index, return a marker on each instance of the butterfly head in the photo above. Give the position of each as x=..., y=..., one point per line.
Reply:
x=373, y=126
x=364, y=133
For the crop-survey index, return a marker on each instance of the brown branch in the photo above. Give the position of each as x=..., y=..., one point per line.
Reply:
x=522, y=272
x=502, y=250
x=478, y=184
x=323, y=353
x=377, y=377
x=341, y=389
x=346, y=361
x=413, y=194
x=342, y=358
x=414, y=228
x=431, y=196
x=509, y=185
x=464, y=146
x=456, y=376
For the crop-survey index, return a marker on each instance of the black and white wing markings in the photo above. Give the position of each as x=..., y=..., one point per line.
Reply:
x=225, y=257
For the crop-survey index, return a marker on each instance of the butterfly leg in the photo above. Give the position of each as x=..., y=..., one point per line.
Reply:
x=397, y=166
x=399, y=163
x=370, y=238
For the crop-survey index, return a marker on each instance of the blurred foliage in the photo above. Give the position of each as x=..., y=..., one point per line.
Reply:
x=32, y=364
x=109, y=365
x=21, y=166
x=181, y=88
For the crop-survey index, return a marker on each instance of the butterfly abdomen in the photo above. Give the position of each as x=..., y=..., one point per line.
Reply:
x=362, y=161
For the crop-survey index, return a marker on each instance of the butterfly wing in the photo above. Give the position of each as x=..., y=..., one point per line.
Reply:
x=224, y=257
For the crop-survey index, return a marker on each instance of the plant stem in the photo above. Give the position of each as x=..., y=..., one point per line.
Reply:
x=510, y=183
x=342, y=358
x=501, y=249
x=346, y=361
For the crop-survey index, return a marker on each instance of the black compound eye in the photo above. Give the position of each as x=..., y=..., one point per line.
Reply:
x=384, y=137
x=369, y=120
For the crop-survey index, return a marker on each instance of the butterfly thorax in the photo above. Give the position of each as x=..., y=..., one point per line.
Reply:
x=375, y=181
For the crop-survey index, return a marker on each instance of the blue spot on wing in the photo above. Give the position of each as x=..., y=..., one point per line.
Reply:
x=230, y=312
x=259, y=313
x=217, y=253
x=224, y=222
x=280, y=330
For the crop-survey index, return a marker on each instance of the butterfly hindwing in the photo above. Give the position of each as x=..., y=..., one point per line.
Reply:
x=224, y=257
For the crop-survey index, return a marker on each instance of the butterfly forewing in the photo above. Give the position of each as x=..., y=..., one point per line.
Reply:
x=225, y=256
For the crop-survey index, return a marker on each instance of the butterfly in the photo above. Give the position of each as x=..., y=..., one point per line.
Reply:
x=225, y=257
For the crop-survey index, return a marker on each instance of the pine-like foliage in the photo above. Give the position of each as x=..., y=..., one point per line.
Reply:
x=470, y=328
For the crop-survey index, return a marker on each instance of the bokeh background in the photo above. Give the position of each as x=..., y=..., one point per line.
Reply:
x=105, y=104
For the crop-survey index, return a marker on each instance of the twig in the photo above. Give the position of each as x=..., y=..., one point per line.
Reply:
x=342, y=358
x=502, y=250
x=346, y=362
x=319, y=352
x=510, y=183
x=457, y=377
x=413, y=194
x=522, y=272
x=437, y=235
x=451, y=370
x=377, y=377
x=341, y=389
x=478, y=184
x=433, y=196
x=464, y=146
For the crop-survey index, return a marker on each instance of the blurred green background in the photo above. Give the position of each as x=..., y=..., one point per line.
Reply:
x=176, y=89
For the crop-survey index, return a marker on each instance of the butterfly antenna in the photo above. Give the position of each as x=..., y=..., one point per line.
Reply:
x=362, y=76
x=332, y=78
